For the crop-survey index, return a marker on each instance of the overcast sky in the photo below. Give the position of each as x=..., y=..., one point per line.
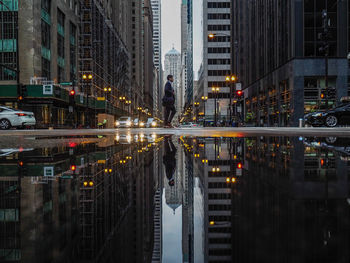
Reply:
x=171, y=29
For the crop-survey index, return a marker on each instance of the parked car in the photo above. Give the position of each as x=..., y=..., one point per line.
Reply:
x=330, y=118
x=15, y=118
x=123, y=122
x=188, y=125
x=138, y=123
x=151, y=123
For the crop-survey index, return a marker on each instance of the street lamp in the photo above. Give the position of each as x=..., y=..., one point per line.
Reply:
x=204, y=99
x=215, y=90
x=196, y=104
x=231, y=80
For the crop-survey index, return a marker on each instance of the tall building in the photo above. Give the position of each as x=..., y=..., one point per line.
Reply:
x=172, y=66
x=157, y=47
x=56, y=44
x=279, y=57
x=216, y=58
x=186, y=53
x=148, y=64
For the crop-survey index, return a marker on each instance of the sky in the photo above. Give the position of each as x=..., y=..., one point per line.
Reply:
x=171, y=29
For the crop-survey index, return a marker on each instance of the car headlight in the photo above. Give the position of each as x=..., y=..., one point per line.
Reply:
x=320, y=114
x=142, y=124
x=117, y=123
x=154, y=124
x=128, y=123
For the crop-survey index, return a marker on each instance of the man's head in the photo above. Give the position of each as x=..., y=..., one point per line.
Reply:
x=170, y=78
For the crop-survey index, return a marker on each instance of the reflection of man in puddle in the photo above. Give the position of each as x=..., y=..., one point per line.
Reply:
x=169, y=160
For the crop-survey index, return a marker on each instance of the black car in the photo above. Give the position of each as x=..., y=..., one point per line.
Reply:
x=330, y=118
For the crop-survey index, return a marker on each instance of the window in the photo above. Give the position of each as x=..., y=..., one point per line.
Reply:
x=218, y=16
x=219, y=5
x=313, y=27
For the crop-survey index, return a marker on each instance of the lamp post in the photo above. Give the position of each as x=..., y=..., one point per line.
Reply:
x=204, y=99
x=196, y=104
x=215, y=91
x=231, y=80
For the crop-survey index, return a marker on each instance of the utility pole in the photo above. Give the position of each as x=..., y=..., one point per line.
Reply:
x=325, y=48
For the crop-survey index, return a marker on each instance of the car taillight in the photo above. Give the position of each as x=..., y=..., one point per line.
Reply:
x=21, y=114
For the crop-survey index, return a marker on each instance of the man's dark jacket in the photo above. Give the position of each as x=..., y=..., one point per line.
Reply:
x=169, y=96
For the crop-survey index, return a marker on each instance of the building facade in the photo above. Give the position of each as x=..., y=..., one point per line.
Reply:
x=55, y=52
x=216, y=58
x=279, y=58
x=157, y=48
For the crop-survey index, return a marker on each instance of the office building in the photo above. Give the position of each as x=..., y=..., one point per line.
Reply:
x=279, y=58
x=216, y=58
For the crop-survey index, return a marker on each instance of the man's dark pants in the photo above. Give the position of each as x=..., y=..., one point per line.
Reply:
x=169, y=112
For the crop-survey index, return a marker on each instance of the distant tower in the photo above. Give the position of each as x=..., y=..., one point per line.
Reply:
x=173, y=67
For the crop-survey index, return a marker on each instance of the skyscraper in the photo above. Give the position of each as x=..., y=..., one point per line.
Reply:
x=186, y=52
x=157, y=94
x=280, y=58
x=173, y=67
x=216, y=58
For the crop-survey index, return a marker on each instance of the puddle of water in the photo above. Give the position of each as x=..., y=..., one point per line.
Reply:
x=156, y=198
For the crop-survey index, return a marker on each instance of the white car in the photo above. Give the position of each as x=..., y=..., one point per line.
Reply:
x=123, y=122
x=151, y=123
x=15, y=118
x=188, y=125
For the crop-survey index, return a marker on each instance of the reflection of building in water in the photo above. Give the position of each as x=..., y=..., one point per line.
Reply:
x=292, y=196
x=100, y=210
x=186, y=161
x=157, y=221
x=173, y=194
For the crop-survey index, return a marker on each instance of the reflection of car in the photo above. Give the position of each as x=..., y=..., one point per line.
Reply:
x=15, y=118
x=123, y=138
x=339, y=145
x=331, y=118
x=123, y=122
x=188, y=125
x=6, y=152
x=151, y=122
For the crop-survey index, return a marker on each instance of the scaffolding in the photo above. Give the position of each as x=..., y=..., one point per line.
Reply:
x=102, y=54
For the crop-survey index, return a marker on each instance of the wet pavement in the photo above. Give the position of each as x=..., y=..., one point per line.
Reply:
x=138, y=196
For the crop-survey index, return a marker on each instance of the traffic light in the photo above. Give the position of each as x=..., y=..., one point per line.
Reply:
x=239, y=165
x=239, y=94
x=323, y=94
x=72, y=92
x=21, y=92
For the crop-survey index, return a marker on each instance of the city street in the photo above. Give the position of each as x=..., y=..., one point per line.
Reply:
x=201, y=132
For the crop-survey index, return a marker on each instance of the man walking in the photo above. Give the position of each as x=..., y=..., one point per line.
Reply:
x=169, y=102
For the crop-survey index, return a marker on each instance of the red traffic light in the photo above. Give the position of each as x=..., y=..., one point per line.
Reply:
x=72, y=92
x=322, y=162
x=239, y=93
x=73, y=167
x=239, y=165
x=20, y=163
x=20, y=98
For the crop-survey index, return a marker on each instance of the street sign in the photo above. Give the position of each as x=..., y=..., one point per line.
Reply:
x=238, y=172
x=101, y=98
x=66, y=84
x=70, y=108
x=239, y=109
x=238, y=86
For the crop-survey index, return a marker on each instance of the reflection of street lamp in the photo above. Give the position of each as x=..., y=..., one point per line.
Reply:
x=215, y=90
